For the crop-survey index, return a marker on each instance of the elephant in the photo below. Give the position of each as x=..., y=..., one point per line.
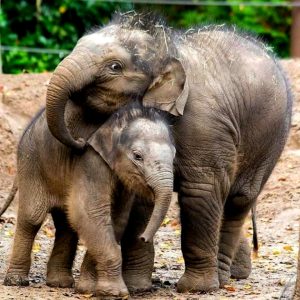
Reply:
x=90, y=195
x=230, y=103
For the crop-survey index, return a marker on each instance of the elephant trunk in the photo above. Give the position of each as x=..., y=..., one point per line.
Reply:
x=163, y=189
x=72, y=74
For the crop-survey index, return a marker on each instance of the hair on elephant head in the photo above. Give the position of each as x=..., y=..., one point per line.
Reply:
x=131, y=58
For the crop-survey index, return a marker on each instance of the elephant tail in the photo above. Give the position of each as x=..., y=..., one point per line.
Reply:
x=254, y=239
x=10, y=197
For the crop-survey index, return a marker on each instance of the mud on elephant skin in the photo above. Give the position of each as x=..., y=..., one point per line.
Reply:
x=233, y=106
x=131, y=153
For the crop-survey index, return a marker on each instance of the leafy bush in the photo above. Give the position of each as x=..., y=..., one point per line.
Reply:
x=271, y=24
x=53, y=24
x=57, y=24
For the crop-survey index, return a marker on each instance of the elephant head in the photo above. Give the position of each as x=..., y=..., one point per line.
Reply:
x=137, y=146
x=132, y=58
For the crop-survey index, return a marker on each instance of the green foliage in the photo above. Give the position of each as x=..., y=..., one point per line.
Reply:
x=53, y=24
x=57, y=24
x=271, y=24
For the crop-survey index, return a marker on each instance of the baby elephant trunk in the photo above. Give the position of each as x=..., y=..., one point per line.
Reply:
x=163, y=189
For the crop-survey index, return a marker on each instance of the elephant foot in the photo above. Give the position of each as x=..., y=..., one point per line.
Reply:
x=240, y=271
x=137, y=284
x=241, y=266
x=86, y=286
x=204, y=282
x=16, y=280
x=60, y=279
x=224, y=278
x=111, y=289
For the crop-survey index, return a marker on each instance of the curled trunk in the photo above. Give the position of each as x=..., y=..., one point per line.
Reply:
x=74, y=72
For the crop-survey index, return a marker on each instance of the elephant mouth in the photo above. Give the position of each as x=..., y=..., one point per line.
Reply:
x=103, y=100
x=140, y=186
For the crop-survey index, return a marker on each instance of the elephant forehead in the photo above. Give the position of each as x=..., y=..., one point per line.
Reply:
x=99, y=38
x=114, y=35
x=145, y=128
x=104, y=47
x=136, y=35
x=113, y=40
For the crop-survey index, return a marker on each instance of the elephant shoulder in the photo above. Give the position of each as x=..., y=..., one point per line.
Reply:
x=93, y=167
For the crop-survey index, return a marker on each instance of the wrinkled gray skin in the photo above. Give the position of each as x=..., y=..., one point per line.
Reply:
x=241, y=265
x=132, y=151
x=234, y=108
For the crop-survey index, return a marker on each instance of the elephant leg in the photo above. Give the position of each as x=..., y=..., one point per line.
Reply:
x=235, y=212
x=31, y=213
x=106, y=254
x=88, y=276
x=94, y=225
x=138, y=256
x=59, y=268
x=17, y=273
x=201, y=210
x=241, y=265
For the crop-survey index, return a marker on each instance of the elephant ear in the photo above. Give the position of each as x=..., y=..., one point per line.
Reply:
x=169, y=90
x=103, y=141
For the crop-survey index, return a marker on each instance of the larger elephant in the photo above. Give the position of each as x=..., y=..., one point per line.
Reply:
x=233, y=107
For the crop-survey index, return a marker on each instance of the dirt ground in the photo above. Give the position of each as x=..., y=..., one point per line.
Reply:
x=278, y=213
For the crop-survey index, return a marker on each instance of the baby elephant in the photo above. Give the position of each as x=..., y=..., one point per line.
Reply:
x=132, y=152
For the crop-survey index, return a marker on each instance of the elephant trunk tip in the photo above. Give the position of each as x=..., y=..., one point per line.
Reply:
x=146, y=238
x=158, y=214
x=80, y=144
x=153, y=225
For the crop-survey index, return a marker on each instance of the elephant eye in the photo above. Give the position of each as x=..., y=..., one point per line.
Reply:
x=115, y=67
x=137, y=156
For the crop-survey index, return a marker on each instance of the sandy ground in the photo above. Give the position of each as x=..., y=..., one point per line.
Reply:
x=278, y=213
